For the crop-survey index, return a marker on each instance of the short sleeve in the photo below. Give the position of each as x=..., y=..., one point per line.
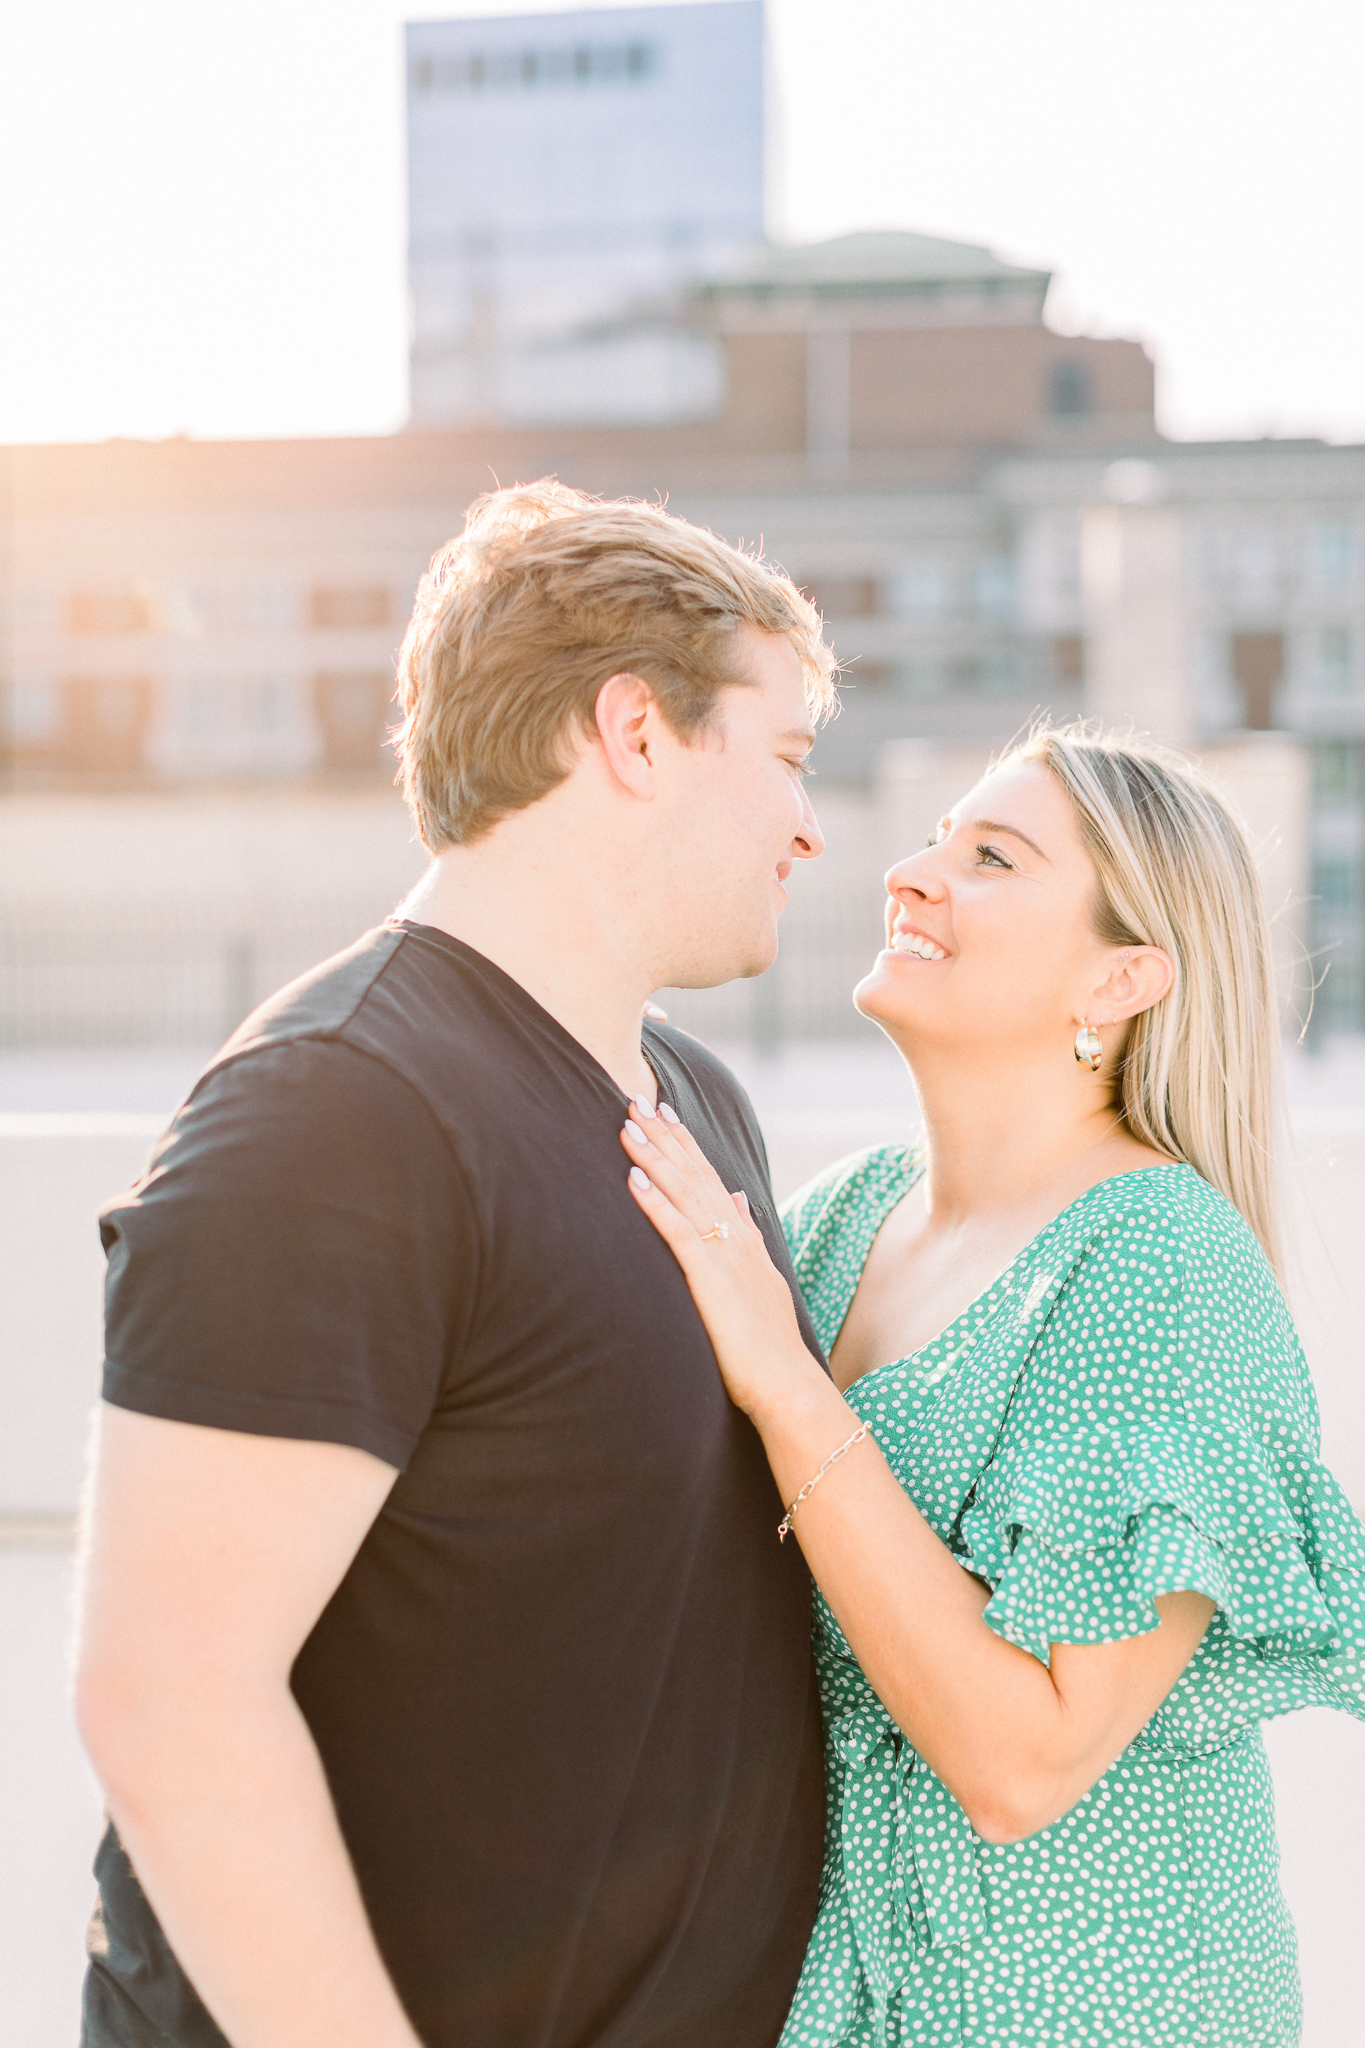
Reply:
x=299, y=1258
x=1165, y=1439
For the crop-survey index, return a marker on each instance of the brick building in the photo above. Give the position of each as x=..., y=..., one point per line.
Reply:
x=982, y=507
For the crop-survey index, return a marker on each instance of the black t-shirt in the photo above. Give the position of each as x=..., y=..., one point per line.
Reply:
x=564, y=1694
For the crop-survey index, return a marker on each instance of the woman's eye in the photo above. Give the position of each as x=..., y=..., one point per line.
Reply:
x=991, y=857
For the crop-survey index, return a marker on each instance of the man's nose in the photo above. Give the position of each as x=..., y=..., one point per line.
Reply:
x=809, y=842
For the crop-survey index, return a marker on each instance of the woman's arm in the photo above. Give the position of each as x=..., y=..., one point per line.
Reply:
x=1016, y=1743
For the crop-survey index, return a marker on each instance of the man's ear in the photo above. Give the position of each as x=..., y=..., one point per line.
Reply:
x=627, y=717
x=1142, y=975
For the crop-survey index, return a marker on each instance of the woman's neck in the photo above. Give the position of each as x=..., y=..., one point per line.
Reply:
x=1009, y=1133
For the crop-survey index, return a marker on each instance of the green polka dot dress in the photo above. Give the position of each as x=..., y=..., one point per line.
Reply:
x=1126, y=1412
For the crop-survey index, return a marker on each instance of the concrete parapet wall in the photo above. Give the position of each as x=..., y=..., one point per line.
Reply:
x=55, y=1171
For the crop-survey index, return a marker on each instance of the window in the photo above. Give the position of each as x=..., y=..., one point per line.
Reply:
x=1334, y=771
x=868, y=678
x=271, y=704
x=353, y=711
x=1332, y=552
x=1068, y=389
x=109, y=611
x=1257, y=662
x=350, y=609
x=993, y=587
x=1335, y=883
x=1255, y=569
x=843, y=597
x=1335, y=661
x=998, y=671
x=559, y=64
x=106, y=723
x=243, y=607
x=202, y=707
x=33, y=714
x=272, y=604
x=924, y=675
x=921, y=589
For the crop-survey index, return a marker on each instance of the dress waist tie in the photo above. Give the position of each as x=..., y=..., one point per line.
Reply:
x=909, y=1852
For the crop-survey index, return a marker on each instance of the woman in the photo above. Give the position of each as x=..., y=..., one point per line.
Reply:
x=1060, y=1494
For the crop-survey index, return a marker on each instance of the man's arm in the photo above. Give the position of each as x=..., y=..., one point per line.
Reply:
x=209, y=1557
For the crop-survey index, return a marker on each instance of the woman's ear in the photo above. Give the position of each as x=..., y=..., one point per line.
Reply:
x=1142, y=975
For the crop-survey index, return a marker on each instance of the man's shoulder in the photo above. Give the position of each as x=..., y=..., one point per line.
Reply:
x=324, y=1003
x=388, y=1010
x=321, y=1065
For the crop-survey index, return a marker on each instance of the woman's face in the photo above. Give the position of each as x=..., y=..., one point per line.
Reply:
x=989, y=931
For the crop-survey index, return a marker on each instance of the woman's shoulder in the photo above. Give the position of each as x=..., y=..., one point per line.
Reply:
x=1177, y=1226
x=845, y=1195
x=1165, y=1274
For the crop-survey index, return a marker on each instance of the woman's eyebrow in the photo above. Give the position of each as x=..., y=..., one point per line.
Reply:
x=993, y=825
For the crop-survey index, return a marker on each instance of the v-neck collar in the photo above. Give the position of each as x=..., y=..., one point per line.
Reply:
x=913, y=1167
x=517, y=993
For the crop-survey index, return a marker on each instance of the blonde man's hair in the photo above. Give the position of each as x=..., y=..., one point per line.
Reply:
x=1199, y=1076
x=522, y=618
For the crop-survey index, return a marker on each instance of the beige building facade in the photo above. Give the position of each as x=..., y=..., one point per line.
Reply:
x=982, y=508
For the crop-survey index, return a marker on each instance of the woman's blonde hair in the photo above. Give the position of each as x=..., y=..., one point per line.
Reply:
x=1200, y=1073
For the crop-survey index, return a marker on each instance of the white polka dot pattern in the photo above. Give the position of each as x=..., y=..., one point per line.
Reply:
x=1125, y=1412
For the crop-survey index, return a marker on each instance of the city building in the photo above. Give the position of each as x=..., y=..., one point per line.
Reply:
x=569, y=177
x=981, y=506
x=183, y=609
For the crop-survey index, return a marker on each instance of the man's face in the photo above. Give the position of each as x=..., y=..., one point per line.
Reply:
x=739, y=818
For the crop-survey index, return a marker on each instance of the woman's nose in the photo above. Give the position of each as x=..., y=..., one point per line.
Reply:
x=914, y=875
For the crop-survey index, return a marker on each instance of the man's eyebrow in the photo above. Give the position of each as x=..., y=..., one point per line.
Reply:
x=805, y=734
x=993, y=825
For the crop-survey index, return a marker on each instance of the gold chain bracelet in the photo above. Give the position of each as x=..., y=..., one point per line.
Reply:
x=784, y=1526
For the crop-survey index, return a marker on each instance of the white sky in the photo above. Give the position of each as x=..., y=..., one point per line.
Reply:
x=202, y=223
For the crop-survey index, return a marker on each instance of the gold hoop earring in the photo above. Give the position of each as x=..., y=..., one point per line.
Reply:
x=1089, y=1052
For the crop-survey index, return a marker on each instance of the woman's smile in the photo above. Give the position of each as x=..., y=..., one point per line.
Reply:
x=915, y=946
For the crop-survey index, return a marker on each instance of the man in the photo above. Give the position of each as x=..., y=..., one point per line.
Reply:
x=441, y=1666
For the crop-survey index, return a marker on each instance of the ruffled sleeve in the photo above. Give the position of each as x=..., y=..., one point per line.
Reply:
x=1165, y=1439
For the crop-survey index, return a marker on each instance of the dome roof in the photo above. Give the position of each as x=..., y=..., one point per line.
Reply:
x=877, y=261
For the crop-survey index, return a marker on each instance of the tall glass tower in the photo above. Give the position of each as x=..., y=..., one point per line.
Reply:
x=569, y=175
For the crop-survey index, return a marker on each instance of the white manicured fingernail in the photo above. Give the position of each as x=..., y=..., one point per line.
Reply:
x=740, y=1196
x=639, y=1178
x=653, y=1010
x=670, y=1116
x=634, y=1132
x=645, y=1108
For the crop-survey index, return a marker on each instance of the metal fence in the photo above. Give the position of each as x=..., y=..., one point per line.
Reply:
x=826, y=947
x=159, y=976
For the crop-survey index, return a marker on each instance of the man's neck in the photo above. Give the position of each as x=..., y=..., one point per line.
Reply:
x=563, y=936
